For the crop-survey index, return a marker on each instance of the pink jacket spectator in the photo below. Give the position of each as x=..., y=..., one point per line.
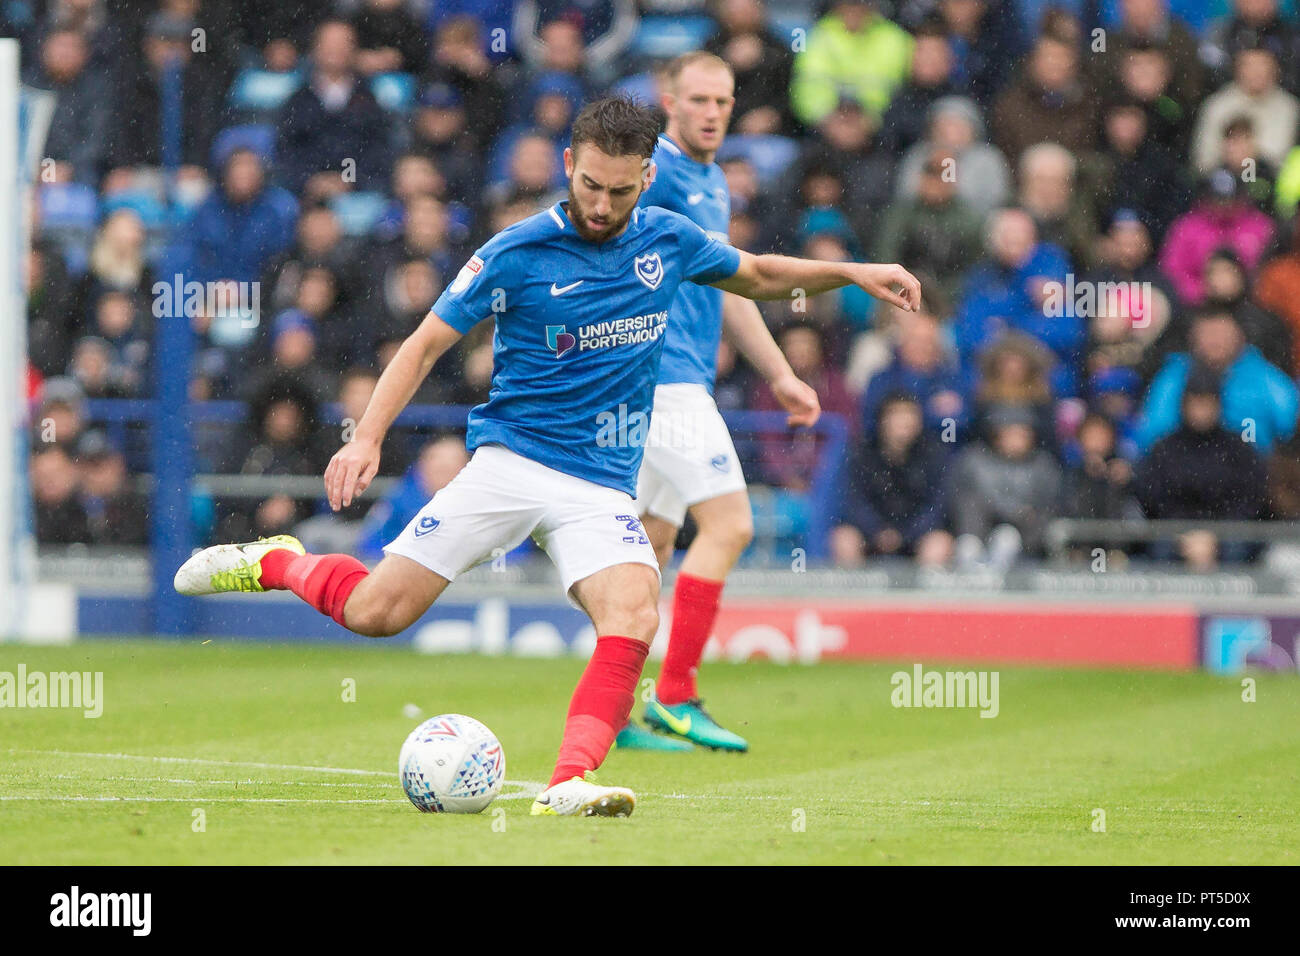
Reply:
x=1194, y=236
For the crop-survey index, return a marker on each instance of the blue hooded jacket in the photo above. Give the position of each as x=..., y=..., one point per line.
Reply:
x=1253, y=392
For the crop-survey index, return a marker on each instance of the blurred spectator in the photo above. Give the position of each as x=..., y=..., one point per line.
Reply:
x=1133, y=171
x=533, y=169
x=51, y=315
x=956, y=131
x=840, y=314
x=1222, y=218
x=604, y=29
x=1255, y=94
x=1146, y=23
x=58, y=513
x=1049, y=192
x=240, y=228
x=1146, y=77
x=1278, y=288
x=929, y=79
x=553, y=99
x=1098, y=484
x=282, y=441
x=60, y=416
x=920, y=368
x=895, y=503
x=293, y=358
x=790, y=458
x=439, y=130
x=115, y=513
x=1241, y=153
x=1008, y=292
x=389, y=39
x=762, y=64
x=78, y=132
x=1048, y=103
x=1252, y=24
x=987, y=44
x=332, y=134
x=117, y=263
x=1202, y=471
x=169, y=98
x=1003, y=492
x=460, y=62
x=937, y=232
x=844, y=147
x=734, y=380
x=1259, y=401
x=1014, y=374
x=852, y=48
x=319, y=243
x=1228, y=287
x=438, y=463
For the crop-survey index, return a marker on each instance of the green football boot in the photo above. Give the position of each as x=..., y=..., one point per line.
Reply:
x=691, y=721
x=636, y=737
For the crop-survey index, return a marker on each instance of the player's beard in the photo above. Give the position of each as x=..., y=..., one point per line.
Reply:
x=578, y=216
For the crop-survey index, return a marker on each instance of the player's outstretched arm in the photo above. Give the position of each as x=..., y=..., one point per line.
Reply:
x=354, y=465
x=777, y=277
x=744, y=327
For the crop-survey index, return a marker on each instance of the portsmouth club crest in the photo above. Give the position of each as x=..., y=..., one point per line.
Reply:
x=649, y=269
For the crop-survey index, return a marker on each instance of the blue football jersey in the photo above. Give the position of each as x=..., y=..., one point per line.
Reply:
x=699, y=192
x=579, y=334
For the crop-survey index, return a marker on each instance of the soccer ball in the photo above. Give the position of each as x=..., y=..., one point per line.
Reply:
x=451, y=764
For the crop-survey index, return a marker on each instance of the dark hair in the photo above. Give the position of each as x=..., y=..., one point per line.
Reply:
x=618, y=126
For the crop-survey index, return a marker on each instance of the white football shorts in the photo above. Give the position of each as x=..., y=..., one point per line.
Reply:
x=689, y=456
x=500, y=498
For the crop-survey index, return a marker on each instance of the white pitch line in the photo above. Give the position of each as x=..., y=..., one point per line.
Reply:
x=215, y=781
x=525, y=788
x=191, y=800
x=208, y=762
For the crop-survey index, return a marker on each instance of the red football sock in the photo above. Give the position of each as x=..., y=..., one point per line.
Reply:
x=695, y=608
x=600, y=705
x=325, y=581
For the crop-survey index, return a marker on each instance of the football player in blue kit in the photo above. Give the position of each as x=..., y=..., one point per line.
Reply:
x=582, y=294
x=690, y=464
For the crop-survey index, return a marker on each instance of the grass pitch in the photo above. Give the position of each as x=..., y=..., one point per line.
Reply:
x=261, y=740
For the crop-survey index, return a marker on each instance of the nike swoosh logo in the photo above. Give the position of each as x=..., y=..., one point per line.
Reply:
x=695, y=198
x=556, y=290
x=678, y=725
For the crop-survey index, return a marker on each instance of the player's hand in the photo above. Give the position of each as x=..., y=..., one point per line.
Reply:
x=798, y=398
x=350, y=472
x=881, y=280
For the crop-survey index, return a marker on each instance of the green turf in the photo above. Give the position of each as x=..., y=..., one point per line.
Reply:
x=1185, y=771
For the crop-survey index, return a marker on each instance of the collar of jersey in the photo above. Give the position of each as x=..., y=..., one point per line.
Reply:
x=682, y=154
x=633, y=226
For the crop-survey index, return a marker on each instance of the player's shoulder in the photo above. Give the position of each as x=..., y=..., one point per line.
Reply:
x=663, y=220
x=536, y=230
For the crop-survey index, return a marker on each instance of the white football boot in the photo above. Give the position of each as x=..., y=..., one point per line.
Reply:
x=231, y=567
x=578, y=798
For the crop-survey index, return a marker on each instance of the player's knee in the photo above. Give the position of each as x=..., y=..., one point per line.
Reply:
x=637, y=619
x=733, y=535
x=643, y=621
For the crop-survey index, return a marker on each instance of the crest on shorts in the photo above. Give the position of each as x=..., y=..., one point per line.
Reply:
x=427, y=523
x=649, y=269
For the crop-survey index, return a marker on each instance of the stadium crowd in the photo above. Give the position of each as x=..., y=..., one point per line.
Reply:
x=1100, y=198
